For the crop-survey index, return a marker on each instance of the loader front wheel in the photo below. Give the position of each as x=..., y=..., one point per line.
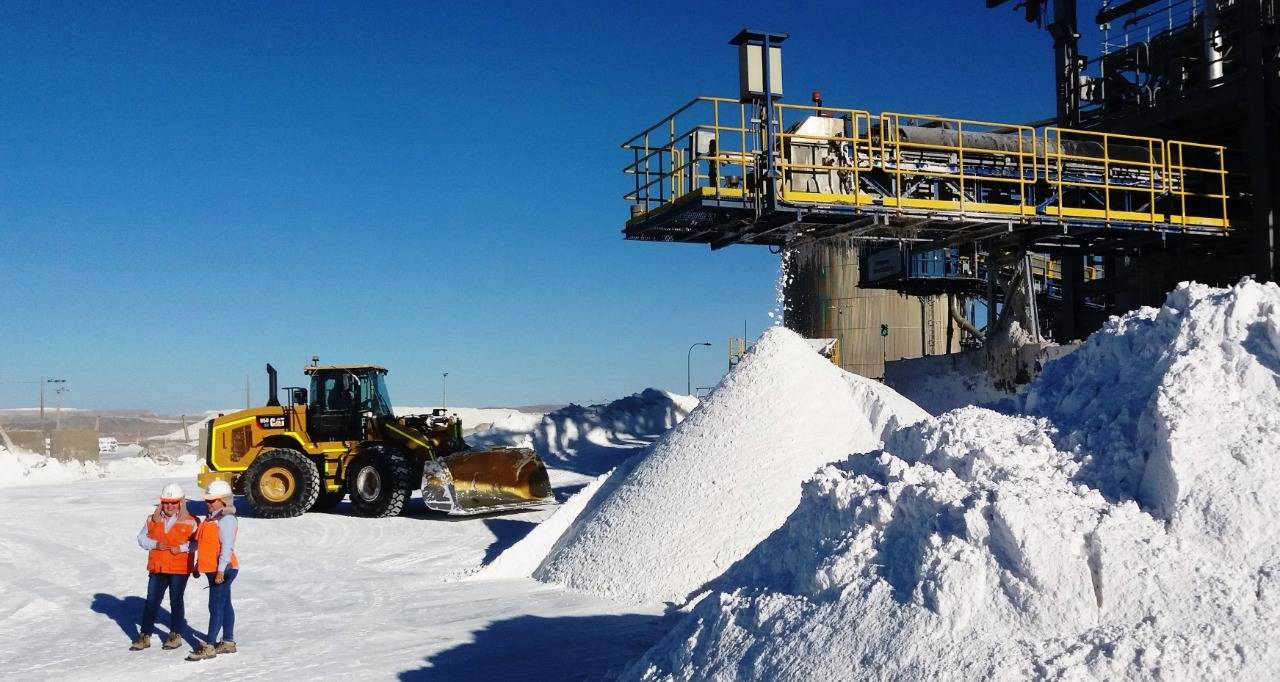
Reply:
x=281, y=483
x=379, y=481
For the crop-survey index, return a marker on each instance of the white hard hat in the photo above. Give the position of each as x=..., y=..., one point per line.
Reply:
x=172, y=493
x=218, y=490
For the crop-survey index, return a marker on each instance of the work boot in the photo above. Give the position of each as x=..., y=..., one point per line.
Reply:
x=200, y=654
x=173, y=641
x=142, y=642
x=226, y=646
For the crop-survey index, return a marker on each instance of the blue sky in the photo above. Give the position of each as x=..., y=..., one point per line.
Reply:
x=191, y=190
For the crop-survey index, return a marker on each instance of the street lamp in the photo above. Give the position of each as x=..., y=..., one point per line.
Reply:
x=443, y=376
x=44, y=381
x=57, y=420
x=44, y=436
x=688, y=359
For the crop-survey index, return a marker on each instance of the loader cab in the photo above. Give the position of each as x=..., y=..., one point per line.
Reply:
x=341, y=397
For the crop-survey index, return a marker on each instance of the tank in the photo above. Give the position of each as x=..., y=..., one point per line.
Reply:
x=823, y=300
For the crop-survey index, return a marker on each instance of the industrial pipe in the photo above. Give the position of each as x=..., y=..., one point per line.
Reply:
x=964, y=323
x=946, y=138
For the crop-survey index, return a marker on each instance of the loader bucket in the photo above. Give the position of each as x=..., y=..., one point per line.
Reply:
x=482, y=481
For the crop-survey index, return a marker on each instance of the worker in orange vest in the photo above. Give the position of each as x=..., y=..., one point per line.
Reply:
x=216, y=558
x=166, y=535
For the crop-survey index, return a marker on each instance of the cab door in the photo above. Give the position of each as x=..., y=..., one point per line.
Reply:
x=334, y=413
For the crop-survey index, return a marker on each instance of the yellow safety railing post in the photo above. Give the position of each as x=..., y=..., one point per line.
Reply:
x=889, y=140
x=1151, y=179
x=1106, y=177
x=742, y=128
x=1057, y=152
x=960, y=162
x=714, y=168
x=776, y=148
x=647, y=180
x=1222, y=179
x=1022, y=176
x=1178, y=178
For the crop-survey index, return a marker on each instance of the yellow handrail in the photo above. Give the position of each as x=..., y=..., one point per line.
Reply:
x=932, y=163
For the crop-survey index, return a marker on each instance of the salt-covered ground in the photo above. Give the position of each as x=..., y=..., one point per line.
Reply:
x=1117, y=520
x=322, y=596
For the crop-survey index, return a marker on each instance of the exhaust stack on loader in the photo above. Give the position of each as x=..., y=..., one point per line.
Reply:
x=345, y=440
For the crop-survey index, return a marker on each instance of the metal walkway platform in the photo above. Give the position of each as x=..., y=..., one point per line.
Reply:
x=700, y=177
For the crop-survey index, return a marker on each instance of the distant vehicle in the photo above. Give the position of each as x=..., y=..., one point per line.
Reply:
x=287, y=460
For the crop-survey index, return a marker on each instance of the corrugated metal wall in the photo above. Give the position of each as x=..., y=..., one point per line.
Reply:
x=823, y=301
x=64, y=445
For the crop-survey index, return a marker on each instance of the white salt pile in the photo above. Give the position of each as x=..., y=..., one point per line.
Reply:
x=592, y=439
x=523, y=558
x=23, y=468
x=726, y=477
x=1131, y=531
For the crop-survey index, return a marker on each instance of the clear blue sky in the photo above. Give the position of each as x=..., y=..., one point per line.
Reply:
x=191, y=190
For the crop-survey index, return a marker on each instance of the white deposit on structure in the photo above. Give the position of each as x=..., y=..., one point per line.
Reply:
x=1128, y=531
x=708, y=491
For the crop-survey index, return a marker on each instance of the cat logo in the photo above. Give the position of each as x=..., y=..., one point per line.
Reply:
x=271, y=422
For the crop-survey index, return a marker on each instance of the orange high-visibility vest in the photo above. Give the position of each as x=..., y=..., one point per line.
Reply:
x=164, y=561
x=209, y=546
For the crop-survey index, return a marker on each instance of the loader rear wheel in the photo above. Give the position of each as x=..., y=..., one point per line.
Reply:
x=281, y=483
x=379, y=481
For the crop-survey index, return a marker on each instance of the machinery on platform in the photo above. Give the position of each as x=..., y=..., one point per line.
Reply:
x=343, y=438
x=1161, y=168
x=845, y=170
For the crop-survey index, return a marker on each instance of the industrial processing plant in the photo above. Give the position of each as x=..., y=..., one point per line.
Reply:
x=905, y=235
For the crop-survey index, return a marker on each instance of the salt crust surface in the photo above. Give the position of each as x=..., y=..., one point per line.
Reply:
x=667, y=521
x=23, y=468
x=1126, y=528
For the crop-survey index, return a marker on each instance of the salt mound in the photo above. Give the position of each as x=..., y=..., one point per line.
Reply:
x=23, y=468
x=592, y=439
x=523, y=558
x=726, y=477
x=1129, y=531
x=1179, y=409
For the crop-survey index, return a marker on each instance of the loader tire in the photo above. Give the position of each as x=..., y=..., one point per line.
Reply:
x=281, y=483
x=379, y=481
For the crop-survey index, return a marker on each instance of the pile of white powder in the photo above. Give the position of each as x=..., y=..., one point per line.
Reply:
x=1129, y=528
x=712, y=488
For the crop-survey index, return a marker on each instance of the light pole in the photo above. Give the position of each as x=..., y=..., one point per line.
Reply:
x=688, y=367
x=443, y=377
x=57, y=420
x=44, y=436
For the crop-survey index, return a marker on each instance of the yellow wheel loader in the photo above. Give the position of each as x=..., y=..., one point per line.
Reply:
x=342, y=439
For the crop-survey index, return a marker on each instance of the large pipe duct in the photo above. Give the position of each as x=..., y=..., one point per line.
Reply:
x=1212, y=39
x=1013, y=143
x=961, y=320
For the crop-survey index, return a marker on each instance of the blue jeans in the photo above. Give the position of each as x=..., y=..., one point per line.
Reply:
x=222, y=617
x=156, y=586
